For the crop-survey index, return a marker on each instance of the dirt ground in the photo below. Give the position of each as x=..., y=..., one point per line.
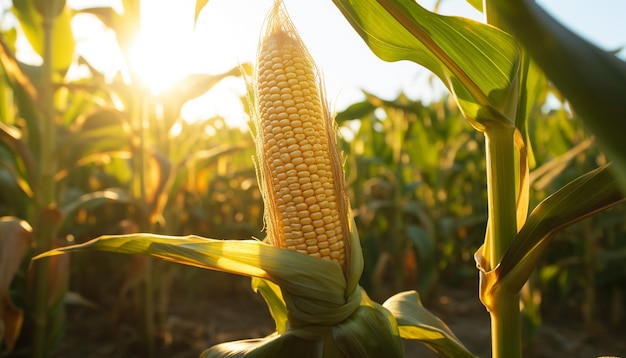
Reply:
x=207, y=308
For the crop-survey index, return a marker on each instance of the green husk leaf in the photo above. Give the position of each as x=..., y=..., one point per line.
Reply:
x=286, y=345
x=403, y=30
x=416, y=322
x=315, y=290
x=275, y=303
x=371, y=331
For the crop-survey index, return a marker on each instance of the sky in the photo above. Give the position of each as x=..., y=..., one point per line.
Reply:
x=227, y=33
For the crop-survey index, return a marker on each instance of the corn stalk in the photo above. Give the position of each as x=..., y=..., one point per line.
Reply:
x=46, y=198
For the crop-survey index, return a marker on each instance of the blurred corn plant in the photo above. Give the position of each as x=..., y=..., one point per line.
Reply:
x=496, y=85
x=576, y=268
x=74, y=147
x=412, y=172
x=309, y=265
x=161, y=173
x=37, y=116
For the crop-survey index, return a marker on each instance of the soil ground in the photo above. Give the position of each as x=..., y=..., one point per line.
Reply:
x=207, y=308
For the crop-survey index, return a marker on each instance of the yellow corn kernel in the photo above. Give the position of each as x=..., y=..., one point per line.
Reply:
x=300, y=170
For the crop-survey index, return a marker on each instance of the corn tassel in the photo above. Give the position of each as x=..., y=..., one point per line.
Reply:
x=300, y=169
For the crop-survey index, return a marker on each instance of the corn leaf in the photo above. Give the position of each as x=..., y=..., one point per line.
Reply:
x=25, y=94
x=581, y=198
x=315, y=290
x=416, y=322
x=286, y=345
x=476, y=4
x=21, y=158
x=194, y=85
x=15, y=240
x=593, y=80
x=31, y=23
x=91, y=201
x=403, y=30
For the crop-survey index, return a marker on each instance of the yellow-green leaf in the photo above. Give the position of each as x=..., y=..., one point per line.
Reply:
x=275, y=303
x=315, y=290
x=371, y=331
x=581, y=198
x=416, y=322
x=286, y=345
x=478, y=63
x=63, y=43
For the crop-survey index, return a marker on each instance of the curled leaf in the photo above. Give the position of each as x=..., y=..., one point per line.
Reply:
x=416, y=322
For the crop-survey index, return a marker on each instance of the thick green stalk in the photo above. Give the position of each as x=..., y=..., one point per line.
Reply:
x=502, y=228
x=506, y=332
x=45, y=191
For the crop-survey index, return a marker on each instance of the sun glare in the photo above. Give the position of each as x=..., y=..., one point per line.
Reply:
x=160, y=56
x=169, y=47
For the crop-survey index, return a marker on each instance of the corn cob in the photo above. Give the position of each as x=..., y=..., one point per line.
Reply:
x=300, y=168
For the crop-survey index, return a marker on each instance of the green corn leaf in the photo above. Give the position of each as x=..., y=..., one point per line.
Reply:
x=286, y=345
x=581, y=198
x=476, y=4
x=22, y=157
x=193, y=86
x=315, y=290
x=91, y=201
x=402, y=30
x=82, y=143
x=31, y=22
x=593, y=80
x=355, y=111
x=416, y=322
x=25, y=94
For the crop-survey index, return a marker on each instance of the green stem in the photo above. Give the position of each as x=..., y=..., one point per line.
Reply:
x=506, y=332
x=45, y=190
x=140, y=122
x=502, y=228
x=501, y=194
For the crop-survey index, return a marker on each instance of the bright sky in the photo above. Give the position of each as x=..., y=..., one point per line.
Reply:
x=228, y=31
